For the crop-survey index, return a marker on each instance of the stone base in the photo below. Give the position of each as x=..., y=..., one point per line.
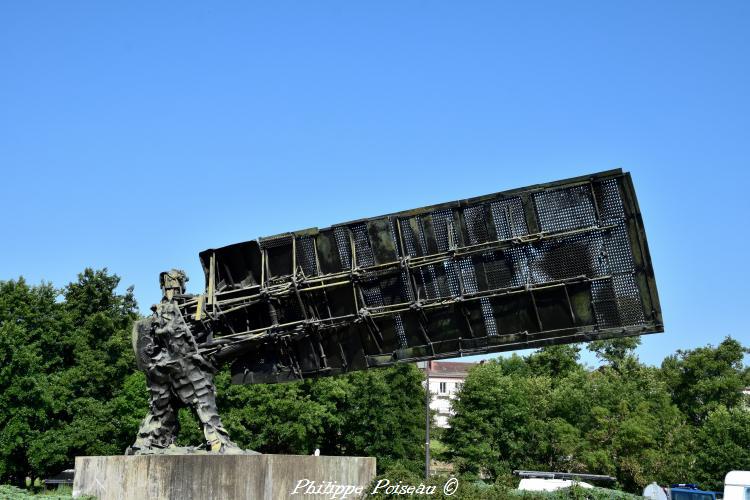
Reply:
x=193, y=477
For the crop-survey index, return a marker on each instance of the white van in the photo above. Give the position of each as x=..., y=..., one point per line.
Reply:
x=737, y=485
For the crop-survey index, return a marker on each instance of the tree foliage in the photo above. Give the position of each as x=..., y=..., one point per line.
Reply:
x=701, y=380
x=624, y=419
x=723, y=440
x=69, y=386
x=63, y=367
x=373, y=413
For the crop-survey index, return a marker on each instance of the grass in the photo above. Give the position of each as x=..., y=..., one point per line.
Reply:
x=8, y=492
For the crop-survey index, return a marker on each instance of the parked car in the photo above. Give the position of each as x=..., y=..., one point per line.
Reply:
x=692, y=492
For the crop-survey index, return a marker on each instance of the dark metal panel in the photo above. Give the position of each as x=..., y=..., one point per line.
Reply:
x=328, y=253
x=553, y=263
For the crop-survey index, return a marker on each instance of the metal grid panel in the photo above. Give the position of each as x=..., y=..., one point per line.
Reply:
x=400, y=331
x=498, y=269
x=605, y=303
x=454, y=283
x=365, y=257
x=275, y=241
x=509, y=219
x=518, y=259
x=578, y=255
x=469, y=279
x=306, y=255
x=442, y=224
x=372, y=293
x=427, y=273
x=618, y=254
x=629, y=303
x=610, y=201
x=410, y=241
x=342, y=243
x=468, y=275
x=476, y=224
x=392, y=227
x=565, y=209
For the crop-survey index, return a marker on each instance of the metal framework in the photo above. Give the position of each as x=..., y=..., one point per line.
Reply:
x=548, y=264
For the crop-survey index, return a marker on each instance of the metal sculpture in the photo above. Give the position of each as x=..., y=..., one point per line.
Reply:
x=548, y=264
x=176, y=374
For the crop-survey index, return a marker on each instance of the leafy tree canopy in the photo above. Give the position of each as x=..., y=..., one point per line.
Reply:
x=64, y=357
x=684, y=422
x=701, y=380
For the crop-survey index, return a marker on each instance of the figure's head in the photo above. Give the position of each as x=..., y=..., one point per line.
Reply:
x=172, y=282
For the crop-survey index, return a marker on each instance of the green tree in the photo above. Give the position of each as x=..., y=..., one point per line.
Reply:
x=700, y=380
x=632, y=429
x=498, y=419
x=30, y=345
x=375, y=413
x=64, y=364
x=557, y=361
x=618, y=421
x=619, y=353
x=723, y=445
x=384, y=415
x=280, y=418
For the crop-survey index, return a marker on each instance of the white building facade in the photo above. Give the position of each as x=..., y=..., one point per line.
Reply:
x=446, y=378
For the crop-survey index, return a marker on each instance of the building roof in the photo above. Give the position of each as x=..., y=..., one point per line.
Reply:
x=449, y=368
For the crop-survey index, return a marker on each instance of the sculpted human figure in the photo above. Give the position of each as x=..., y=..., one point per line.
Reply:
x=177, y=375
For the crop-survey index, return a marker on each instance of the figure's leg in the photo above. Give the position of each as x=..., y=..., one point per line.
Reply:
x=159, y=429
x=197, y=390
x=216, y=435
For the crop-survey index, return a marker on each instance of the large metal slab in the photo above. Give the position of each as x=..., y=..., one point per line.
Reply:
x=547, y=264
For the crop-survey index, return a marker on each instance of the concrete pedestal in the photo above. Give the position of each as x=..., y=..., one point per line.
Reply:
x=193, y=477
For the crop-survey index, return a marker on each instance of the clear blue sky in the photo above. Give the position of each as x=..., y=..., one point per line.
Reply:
x=132, y=136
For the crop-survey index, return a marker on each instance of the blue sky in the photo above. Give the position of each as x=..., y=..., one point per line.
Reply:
x=135, y=135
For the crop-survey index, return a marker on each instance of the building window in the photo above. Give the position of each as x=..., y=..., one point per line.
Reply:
x=442, y=387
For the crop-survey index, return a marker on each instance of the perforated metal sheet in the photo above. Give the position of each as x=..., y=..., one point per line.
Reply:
x=554, y=263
